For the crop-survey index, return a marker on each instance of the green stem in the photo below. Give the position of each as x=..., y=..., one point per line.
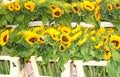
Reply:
x=96, y=72
x=7, y=67
x=91, y=71
x=39, y=68
x=57, y=70
x=44, y=70
x=1, y=67
x=50, y=69
x=104, y=74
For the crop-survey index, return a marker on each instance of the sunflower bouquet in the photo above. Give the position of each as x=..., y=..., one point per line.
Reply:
x=59, y=40
x=61, y=12
x=63, y=43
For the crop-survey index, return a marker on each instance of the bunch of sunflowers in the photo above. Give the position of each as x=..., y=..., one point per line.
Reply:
x=61, y=40
x=62, y=12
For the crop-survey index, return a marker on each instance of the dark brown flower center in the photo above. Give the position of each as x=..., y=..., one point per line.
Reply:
x=109, y=7
x=33, y=39
x=89, y=6
x=53, y=7
x=75, y=8
x=5, y=38
x=64, y=38
x=61, y=48
x=117, y=4
x=57, y=13
x=115, y=42
x=28, y=6
x=41, y=39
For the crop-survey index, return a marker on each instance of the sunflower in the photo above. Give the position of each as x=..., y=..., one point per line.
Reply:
x=76, y=36
x=17, y=6
x=97, y=14
x=81, y=42
x=39, y=29
x=30, y=6
x=77, y=28
x=98, y=1
x=62, y=47
x=93, y=38
x=26, y=33
x=65, y=38
x=57, y=13
x=82, y=6
x=100, y=44
x=107, y=54
x=4, y=37
x=109, y=7
x=75, y=7
x=105, y=39
x=100, y=31
x=11, y=6
x=12, y=30
x=41, y=40
x=115, y=40
x=66, y=29
x=89, y=6
x=31, y=38
x=117, y=5
x=92, y=32
x=53, y=7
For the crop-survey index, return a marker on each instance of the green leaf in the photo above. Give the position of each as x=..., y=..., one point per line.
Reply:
x=91, y=19
x=44, y=19
x=20, y=18
x=116, y=56
x=65, y=20
x=92, y=53
x=116, y=23
x=3, y=11
x=112, y=68
x=9, y=18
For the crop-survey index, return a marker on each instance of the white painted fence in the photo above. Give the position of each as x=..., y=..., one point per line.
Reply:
x=78, y=72
x=14, y=66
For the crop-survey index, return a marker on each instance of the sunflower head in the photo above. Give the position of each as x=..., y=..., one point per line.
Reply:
x=75, y=7
x=89, y=6
x=107, y=54
x=117, y=5
x=30, y=6
x=109, y=7
x=97, y=15
x=82, y=6
x=4, y=37
x=31, y=38
x=17, y=6
x=65, y=38
x=53, y=7
x=62, y=47
x=66, y=29
x=41, y=40
x=100, y=44
x=115, y=41
x=11, y=6
x=57, y=13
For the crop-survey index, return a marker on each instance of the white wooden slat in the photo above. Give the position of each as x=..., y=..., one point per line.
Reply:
x=79, y=68
x=14, y=70
x=106, y=24
x=66, y=72
x=95, y=63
